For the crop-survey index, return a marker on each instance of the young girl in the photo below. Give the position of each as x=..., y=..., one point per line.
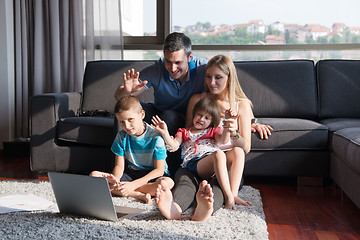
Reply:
x=200, y=152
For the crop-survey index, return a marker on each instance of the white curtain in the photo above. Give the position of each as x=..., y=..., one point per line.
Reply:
x=50, y=39
x=103, y=30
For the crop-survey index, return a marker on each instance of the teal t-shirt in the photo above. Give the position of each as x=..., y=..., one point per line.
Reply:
x=141, y=151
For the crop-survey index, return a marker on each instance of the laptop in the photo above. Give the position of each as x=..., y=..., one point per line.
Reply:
x=87, y=196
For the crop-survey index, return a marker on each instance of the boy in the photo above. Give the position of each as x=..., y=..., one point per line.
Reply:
x=142, y=149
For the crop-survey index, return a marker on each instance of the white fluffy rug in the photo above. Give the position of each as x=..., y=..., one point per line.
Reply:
x=243, y=223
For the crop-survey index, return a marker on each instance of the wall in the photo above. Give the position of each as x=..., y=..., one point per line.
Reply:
x=7, y=80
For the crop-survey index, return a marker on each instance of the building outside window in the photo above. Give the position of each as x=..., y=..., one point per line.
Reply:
x=245, y=29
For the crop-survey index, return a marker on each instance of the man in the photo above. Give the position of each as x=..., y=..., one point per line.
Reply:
x=175, y=78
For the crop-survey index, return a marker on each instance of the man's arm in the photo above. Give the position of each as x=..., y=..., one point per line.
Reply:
x=132, y=85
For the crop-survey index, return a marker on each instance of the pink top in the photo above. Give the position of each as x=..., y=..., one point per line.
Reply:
x=197, y=145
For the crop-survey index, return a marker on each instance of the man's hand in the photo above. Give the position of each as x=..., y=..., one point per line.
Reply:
x=132, y=82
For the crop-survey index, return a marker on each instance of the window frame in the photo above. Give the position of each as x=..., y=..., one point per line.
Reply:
x=163, y=19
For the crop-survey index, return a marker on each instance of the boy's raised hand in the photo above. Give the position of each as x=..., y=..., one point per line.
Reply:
x=132, y=82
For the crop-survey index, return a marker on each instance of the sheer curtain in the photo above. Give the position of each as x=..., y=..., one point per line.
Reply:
x=103, y=30
x=50, y=39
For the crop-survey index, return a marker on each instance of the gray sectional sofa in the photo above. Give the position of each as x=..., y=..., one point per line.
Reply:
x=313, y=108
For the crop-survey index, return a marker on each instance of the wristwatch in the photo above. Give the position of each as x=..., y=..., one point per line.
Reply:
x=254, y=120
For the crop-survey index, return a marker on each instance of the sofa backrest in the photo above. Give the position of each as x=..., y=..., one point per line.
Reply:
x=101, y=78
x=339, y=88
x=280, y=88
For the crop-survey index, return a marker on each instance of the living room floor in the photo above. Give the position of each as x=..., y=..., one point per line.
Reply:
x=291, y=211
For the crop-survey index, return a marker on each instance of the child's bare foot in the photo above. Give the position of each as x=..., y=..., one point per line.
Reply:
x=230, y=205
x=240, y=201
x=164, y=201
x=229, y=202
x=145, y=197
x=205, y=202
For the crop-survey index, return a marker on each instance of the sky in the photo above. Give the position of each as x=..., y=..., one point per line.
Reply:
x=324, y=12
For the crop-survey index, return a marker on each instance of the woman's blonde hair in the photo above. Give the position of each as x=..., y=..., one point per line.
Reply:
x=235, y=92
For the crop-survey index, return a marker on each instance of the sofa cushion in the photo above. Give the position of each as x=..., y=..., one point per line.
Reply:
x=335, y=124
x=346, y=145
x=97, y=131
x=339, y=88
x=101, y=78
x=292, y=134
x=280, y=88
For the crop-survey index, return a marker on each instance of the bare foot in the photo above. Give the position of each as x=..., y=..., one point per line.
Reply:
x=111, y=178
x=205, y=202
x=230, y=204
x=164, y=201
x=147, y=198
x=240, y=201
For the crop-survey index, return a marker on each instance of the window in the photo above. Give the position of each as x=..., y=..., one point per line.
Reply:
x=266, y=22
x=254, y=30
x=139, y=17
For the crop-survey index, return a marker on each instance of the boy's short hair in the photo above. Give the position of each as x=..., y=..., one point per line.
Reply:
x=126, y=103
x=209, y=106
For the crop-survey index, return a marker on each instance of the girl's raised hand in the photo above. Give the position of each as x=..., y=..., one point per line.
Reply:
x=230, y=122
x=159, y=125
x=230, y=113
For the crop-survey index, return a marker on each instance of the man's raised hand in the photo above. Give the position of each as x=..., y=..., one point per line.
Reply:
x=132, y=83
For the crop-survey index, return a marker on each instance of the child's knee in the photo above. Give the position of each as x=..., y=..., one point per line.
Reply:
x=220, y=156
x=239, y=152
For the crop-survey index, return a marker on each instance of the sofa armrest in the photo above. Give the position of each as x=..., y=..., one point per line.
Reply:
x=45, y=111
